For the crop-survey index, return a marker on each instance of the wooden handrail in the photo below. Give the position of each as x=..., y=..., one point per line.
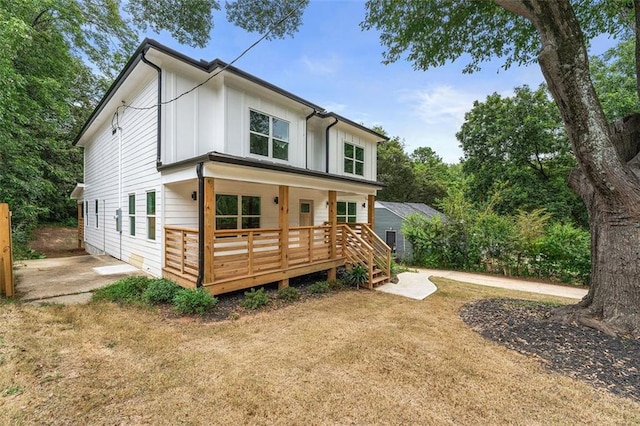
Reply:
x=180, y=228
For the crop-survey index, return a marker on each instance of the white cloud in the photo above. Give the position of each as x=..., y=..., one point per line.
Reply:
x=334, y=107
x=322, y=66
x=440, y=104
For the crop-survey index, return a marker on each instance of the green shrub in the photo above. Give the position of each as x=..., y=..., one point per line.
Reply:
x=255, y=299
x=565, y=254
x=357, y=276
x=335, y=285
x=288, y=294
x=160, y=291
x=188, y=301
x=398, y=268
x=319, y=287
x=125, y=290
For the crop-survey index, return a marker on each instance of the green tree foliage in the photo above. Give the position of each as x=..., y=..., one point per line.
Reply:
x=50, y=52
x=517, y=146
x=395, y=170
x=479, y=239
x=614, y=78
x=432, y=175
x=421, y=177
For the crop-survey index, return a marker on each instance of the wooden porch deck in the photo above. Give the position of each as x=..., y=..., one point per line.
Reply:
x=250, y=257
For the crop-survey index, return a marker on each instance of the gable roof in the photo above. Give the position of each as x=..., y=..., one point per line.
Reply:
x=402, y=210
x=207, y=67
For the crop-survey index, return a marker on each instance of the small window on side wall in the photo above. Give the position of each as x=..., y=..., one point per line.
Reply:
x=151, y=215
x=132, y=214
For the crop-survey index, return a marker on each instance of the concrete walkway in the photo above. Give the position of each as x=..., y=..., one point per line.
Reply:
x=410, y=284
x=416, y=285
x=67, y=280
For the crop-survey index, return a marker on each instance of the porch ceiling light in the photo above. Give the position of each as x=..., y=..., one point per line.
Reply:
x=276, y=200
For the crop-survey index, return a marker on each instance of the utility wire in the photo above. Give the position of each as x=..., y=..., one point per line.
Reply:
x=265, y=35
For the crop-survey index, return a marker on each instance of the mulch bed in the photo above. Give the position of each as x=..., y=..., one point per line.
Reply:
x=612, y=363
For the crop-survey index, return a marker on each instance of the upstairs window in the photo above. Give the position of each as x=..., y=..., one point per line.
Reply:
x=234, y=212
x=353, y=159
x=268, y=136
x=346, y=212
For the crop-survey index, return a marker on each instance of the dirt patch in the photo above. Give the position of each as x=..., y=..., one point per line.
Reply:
x=606, y=362
x=56, y=241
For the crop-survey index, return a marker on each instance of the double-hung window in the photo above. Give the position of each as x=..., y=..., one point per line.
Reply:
x=268, y=136
x=151, y=215
x=237, y=212
x=132, y=214
x=353, y=159
x=346, y=212
x=97, y=214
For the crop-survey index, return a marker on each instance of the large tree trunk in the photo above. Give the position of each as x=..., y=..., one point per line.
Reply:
x=606, y=178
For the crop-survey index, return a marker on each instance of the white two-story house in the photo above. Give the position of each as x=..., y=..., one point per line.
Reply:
x=207, y=175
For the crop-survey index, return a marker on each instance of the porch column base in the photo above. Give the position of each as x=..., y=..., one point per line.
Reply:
x=283, y=283
x=332, y=274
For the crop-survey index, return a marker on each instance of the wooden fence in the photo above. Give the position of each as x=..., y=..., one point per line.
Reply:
x=6, y=257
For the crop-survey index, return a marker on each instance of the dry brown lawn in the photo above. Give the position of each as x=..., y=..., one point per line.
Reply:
x=349, y=358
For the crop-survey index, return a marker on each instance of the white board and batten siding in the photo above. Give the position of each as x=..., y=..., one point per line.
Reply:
x=338, y=135
x=138, y=176
x=239, y=103
x=193, y=124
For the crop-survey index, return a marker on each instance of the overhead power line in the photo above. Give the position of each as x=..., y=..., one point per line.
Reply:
x=244, y=52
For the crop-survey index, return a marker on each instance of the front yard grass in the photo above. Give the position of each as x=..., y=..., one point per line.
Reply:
x=349, y=358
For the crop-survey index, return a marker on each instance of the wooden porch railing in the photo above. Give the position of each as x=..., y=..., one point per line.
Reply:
x=241, y=253
x=381, y=251
x=356, y=250
x=181, y=252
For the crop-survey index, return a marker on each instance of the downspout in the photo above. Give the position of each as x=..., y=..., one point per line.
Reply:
x=159, y=131
x=306, y=138
x=199, y=170
x=327, y=142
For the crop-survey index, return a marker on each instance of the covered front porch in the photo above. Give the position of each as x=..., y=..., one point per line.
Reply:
x=261, y=232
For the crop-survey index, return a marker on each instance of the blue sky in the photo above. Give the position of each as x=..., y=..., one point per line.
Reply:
x=333, y=63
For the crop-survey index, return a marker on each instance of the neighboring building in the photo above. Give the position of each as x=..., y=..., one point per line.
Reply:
x=204, y=174
x=388, y=225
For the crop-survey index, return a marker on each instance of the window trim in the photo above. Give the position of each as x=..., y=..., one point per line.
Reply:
x=132, y=215
x=346, y=216
x=239, y=216
x=151, y=217
x=270, y=137
x=354, y=158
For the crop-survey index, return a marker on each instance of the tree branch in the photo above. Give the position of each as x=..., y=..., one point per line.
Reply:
x=636, y=10
x=37, y=18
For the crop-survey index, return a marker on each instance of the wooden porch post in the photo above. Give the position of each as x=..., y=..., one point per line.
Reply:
x=209, y=227
x=6, y=255
x=283, y=219
x=333, y=220
x=371, y=210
